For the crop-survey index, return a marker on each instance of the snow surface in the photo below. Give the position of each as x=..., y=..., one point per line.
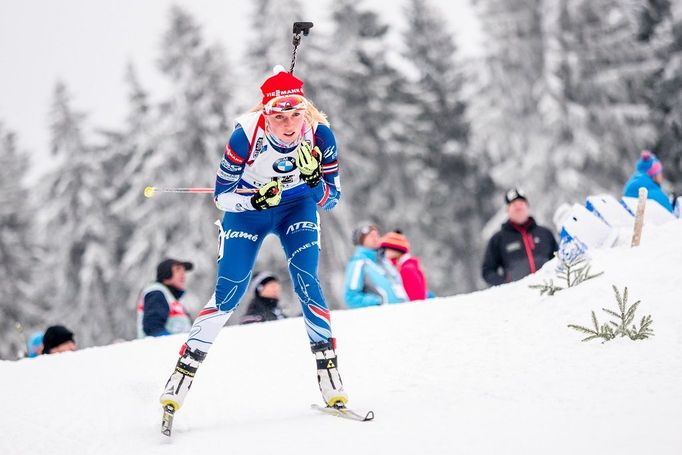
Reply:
x=495, y=371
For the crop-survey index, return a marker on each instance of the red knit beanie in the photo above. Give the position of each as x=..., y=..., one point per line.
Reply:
x=395, y=241
x=282, y=83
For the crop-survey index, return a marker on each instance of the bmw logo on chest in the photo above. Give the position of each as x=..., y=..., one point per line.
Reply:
x=284, y=165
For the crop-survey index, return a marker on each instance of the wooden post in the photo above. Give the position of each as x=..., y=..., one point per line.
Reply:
x=639, y=217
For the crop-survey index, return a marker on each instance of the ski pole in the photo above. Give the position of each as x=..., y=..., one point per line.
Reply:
x=151, y=191
x=299, y=27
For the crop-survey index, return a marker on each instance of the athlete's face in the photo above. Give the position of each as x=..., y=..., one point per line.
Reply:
x=287, y=126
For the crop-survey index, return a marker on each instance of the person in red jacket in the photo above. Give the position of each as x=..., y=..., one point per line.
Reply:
x=397, y=249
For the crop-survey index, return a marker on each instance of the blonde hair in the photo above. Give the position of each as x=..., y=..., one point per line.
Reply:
x=312, y=114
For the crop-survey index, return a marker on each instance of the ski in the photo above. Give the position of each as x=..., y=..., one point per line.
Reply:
x=344, y=412
x=167, y=421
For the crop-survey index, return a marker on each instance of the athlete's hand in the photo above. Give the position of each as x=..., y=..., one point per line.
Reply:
x=267, y=196
x=309, y=162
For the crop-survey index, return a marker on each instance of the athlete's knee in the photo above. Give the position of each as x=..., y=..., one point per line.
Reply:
x=306, y=283
x=229, y=292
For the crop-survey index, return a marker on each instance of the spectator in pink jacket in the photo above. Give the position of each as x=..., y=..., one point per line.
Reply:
x=397, y=249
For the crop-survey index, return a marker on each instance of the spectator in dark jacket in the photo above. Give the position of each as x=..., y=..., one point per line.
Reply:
x=160, y=309
x=520, y=248
x=266, y=294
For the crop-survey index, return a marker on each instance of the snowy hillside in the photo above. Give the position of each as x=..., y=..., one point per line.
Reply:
x=496, y=371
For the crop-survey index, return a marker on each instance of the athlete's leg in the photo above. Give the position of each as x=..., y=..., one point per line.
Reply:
x=240, y=238
x=299, y=232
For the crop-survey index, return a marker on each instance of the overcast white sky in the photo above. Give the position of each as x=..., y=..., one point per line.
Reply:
x=87, y=43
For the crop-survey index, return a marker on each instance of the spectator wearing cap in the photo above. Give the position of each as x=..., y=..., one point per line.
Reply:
x=265, y=304
x=648, y=174
x=371, y=279
x=160, y=308
x=58, y=338
x=396, y=249
x=520, y=247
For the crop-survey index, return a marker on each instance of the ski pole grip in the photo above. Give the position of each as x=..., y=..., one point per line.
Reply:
x=302, y=27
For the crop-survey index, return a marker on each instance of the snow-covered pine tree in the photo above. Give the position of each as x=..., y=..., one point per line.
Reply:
x=18, y=253
x=566, y=166
x=368, y=100
x=76, y=269
x=270, y=44
x=191, y=131
x=570, y=169
x=454, y=198
x=507, y=129
x=364, y=95
x=563, y=108
x=127, y=152
x=661, y=26
x=607, y=70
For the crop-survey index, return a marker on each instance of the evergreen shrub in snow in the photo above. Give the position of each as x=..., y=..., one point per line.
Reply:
x=571, y=271
x=623, y=325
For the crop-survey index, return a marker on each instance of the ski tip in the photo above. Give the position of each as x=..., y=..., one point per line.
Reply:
x=344, y=412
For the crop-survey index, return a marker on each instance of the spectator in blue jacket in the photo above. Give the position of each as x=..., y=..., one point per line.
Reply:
x=371, y=279
x=35, y=344
x=160, y=309
x=648, y=174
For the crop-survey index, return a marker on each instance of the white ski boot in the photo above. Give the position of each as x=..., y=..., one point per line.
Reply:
x=328, y=376
x=181, y=380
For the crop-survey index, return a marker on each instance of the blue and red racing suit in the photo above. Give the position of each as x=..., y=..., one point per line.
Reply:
x=253, y=158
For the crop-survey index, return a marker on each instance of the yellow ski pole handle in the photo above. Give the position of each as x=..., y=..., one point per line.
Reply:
x=151, y=191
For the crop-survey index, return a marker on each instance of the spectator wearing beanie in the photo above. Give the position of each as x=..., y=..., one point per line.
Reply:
x=265, y=303
x=397, y=249
x=370, y=278
x=520, y=247
x=58, y=338
x=160, y=307
x=648, y=174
